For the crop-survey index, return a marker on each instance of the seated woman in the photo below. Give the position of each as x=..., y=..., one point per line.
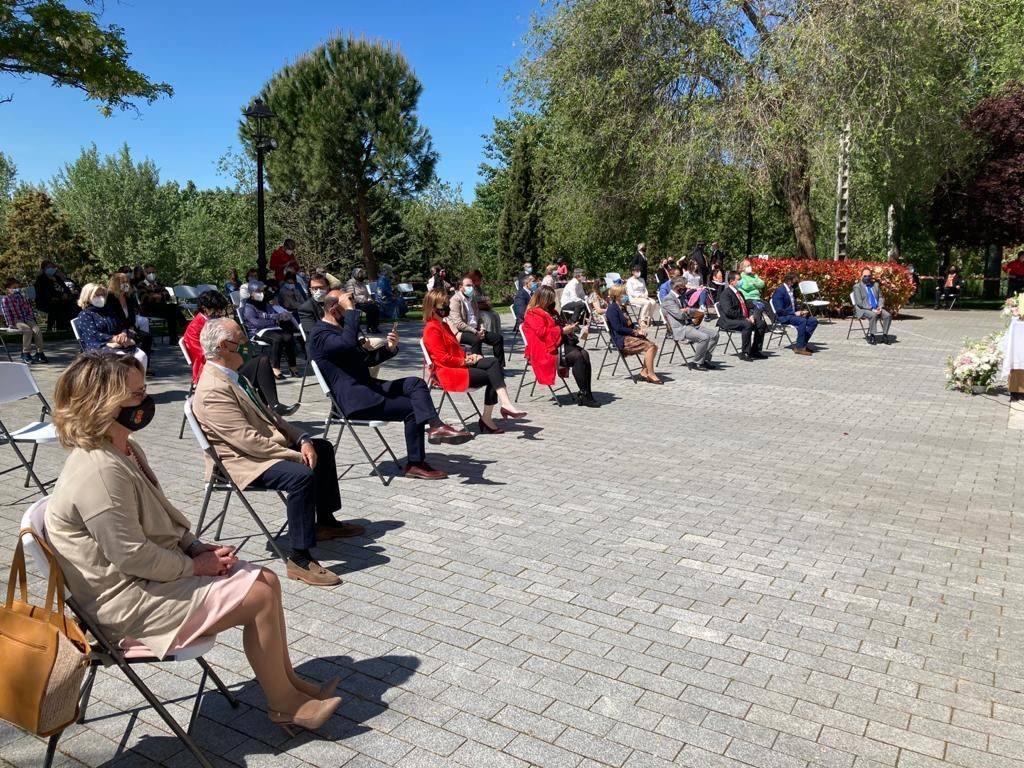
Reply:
x=716, y=284
x=392, y=306
x=213, y=304
x=696, y=294
x=123, y=307
x=265, y=322
x=626, y=337
x=949, y=288
x=456, y=371
x=129, y=557
x=102, y=332
x=545, y=332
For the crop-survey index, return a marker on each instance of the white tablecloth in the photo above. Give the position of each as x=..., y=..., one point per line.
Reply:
x=1013, y=348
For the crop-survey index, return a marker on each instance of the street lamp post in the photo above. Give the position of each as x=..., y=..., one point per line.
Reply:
x=258, y=113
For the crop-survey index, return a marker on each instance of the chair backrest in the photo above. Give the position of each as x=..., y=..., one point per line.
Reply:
x=808, y=287
x=771, y=302
x=204, y=288
x=426, y=355
x=320, y=379
x=853, y=301
x=16, y=382
x=184, y=350
x=523, y=335
x=74, y=329
x=34, y=519
x=236, y=298
x=611, y=278
x=406, y=288
x=170, y=292
x=30, y=292
x=197, y=431
x=184, y=292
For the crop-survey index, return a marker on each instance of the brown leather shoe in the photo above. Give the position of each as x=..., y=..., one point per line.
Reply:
x=338, y=530
x=424, y=471
x=801, y=351
x=448, y=434
x=313, y=574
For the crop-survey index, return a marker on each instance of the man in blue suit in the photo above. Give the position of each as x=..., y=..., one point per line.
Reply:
x=787, y=313
x=345, y=360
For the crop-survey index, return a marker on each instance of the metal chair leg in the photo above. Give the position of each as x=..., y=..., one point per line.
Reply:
x=198, y=701
x=83, y=701
x=51, y=744
x=218, y=682
x=262, y=527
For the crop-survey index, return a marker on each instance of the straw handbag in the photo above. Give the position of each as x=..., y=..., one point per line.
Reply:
x=43, y=655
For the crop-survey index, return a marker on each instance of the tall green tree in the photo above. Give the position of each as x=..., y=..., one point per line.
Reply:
x=8, y=173
x=347, y=130
x=72, y=48
x=519, y=226
x=38, y=232
x=120, y=208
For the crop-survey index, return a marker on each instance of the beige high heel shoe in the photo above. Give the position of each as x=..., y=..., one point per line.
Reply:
x=328, y=688
x=310, y=716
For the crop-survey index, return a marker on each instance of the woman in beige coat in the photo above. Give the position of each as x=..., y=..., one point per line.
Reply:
x=129, y=557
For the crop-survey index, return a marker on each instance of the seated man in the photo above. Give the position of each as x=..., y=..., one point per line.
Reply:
x=950, y=287
x=364, y=300
x=574, y=297
x=522, y=297
x=738, y=315
x=680, y=319
x=345, y=361
x=665, y=287
x=259, y=449
x=868, y=302
x=465, y=321
x=311, y=311
x=787, y=313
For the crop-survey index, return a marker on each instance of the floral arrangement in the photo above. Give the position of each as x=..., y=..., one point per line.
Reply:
x=836, y=279
x=976, y=366
x=1014, y=308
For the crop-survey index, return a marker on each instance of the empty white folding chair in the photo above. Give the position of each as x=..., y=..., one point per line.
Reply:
x=612, y=278
x=16, y=383
x=522, y=379
x=185, y=296
x=201, y=289
x=106, y=651
x=191, y=385
x=433, y=383
x=810, y=294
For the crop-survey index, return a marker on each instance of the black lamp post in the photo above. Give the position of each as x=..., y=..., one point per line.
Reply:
x=258, y=114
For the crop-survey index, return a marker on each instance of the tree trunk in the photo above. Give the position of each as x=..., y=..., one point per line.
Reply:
x=993, y=271
x=363, y=224
x=796, y=186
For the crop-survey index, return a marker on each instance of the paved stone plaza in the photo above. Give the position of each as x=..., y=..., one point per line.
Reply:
x=793, y=562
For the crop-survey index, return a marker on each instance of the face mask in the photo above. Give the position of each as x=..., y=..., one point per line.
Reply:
x=98, y=301
x=748, y=270
x=533, y=288
x=15, y=291
x=151, y=277
x=528, y=270
x=50, y=271
x=360, y=276
x=625, y=299
x=468, y=291
x=868, y=280
x=258, y=296
x=443, y=311
x=136, y=417
x=319, y=294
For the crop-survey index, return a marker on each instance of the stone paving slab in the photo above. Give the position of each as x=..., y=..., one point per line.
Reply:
x=790, y=563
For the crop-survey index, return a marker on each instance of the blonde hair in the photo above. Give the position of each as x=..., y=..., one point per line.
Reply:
x=89, y=395
x=433, y=299
x=88, y=291
x=114, y=284
x=615, y=293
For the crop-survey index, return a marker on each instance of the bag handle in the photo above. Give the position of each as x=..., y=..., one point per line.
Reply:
x=17, y=572
x=54, y=586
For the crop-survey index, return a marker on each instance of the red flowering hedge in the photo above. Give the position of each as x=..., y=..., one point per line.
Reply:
x=837, y=278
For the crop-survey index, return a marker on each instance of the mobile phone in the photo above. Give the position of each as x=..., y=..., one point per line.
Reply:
x=394, y=327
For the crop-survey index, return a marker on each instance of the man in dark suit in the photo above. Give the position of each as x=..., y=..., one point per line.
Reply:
x=701, y=260
x=640, y=260
x=311, y=311
x=345, y=361
x=786, y=312
x=522, y=297
x=738, y=315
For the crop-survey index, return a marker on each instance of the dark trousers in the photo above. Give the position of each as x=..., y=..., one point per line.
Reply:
x=313, y=495
x=407, y=400
x=59, y=313
x=942, y=293
x=487, y=372
x=751, y=333
x=259, y=372
x=577, y=310
x=579, y=360
x=372, y=313
x=1014, y=285
x=475, y=343
x=281, y=342
x=804, y=328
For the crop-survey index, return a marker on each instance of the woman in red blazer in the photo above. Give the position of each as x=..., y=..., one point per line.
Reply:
x=544, y=335
x=456, y=371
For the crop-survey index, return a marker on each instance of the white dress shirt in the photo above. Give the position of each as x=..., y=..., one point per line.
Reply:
x=573, y=292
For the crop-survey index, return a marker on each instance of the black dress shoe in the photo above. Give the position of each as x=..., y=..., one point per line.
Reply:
x=746, y=358
x=886, y=339
x=759, y=355
x=696, y=367
x=710, y=367
x=285, y=410
x=872, y=340
x=587, y=401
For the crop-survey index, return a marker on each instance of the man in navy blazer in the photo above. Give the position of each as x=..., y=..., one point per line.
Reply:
x=786, y=312
x=345, y=360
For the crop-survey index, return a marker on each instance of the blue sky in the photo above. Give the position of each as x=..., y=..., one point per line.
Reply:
x=216, y=54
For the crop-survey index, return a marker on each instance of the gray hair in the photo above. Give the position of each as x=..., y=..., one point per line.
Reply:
x=216, y=332
x=678, y=282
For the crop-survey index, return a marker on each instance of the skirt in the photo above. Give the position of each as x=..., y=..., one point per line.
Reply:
x=634, y=345
x=224, y=596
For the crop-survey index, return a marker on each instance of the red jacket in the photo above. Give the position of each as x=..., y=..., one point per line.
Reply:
x=1014, y=268
x=542, y=339
x=447, y=355
x=191, y=339
x=280, y=259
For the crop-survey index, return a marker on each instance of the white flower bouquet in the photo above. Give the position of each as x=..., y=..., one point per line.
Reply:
x=1014, y=308
x=976, y=366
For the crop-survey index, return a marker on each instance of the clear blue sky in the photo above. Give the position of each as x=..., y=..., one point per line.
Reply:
x=217, y=54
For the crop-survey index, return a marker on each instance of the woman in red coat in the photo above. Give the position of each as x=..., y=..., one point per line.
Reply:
x=544, y=335
x=456, y=371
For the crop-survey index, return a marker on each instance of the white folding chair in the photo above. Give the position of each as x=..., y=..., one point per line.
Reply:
x=777, y=328
x=220, y=482
x=106, y=652
x=728, y=333
x=522, y=379
x=611, y=278
x=433, y=383
x=191, y=385
x=16, y=383
x=860, y=320
x=809, y=288
x=75, y=330
x=236, y=298
x=185, y=297
x=337, y=416
x=677, y=344
x=610, y=348
x=201, y=289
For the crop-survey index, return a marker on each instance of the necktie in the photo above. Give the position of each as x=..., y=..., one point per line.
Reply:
x=743, y=305
x=247, y=388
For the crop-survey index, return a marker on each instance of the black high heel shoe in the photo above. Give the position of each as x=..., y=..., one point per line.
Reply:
x=485, y=430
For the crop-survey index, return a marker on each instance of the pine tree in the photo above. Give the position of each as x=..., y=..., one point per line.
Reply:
x=37, y=231
x=519, y=231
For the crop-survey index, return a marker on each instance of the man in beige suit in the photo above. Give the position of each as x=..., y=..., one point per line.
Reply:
x=260, y=449
x=465, y=322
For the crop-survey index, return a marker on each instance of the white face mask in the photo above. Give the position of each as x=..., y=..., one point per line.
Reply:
x=748, y=270
x=98, y=301
x=151, y=276
x=319, y=294
x=258, y=296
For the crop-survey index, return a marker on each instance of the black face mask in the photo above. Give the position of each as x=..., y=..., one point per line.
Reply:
x=136, y=417
x=868, y=280
x=443, y=311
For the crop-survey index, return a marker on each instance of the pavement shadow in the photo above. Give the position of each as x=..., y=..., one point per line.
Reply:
x=362, y=689
x=341, y=556
x=461, y=465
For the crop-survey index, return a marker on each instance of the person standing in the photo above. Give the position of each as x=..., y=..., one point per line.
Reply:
x=1014, y=275
x=738, y=315
x=869, y=303
x=640, y=260
x=57, y=296
x=786, y=312
x=18, y=314
x=701, y=259
x=283, y=256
